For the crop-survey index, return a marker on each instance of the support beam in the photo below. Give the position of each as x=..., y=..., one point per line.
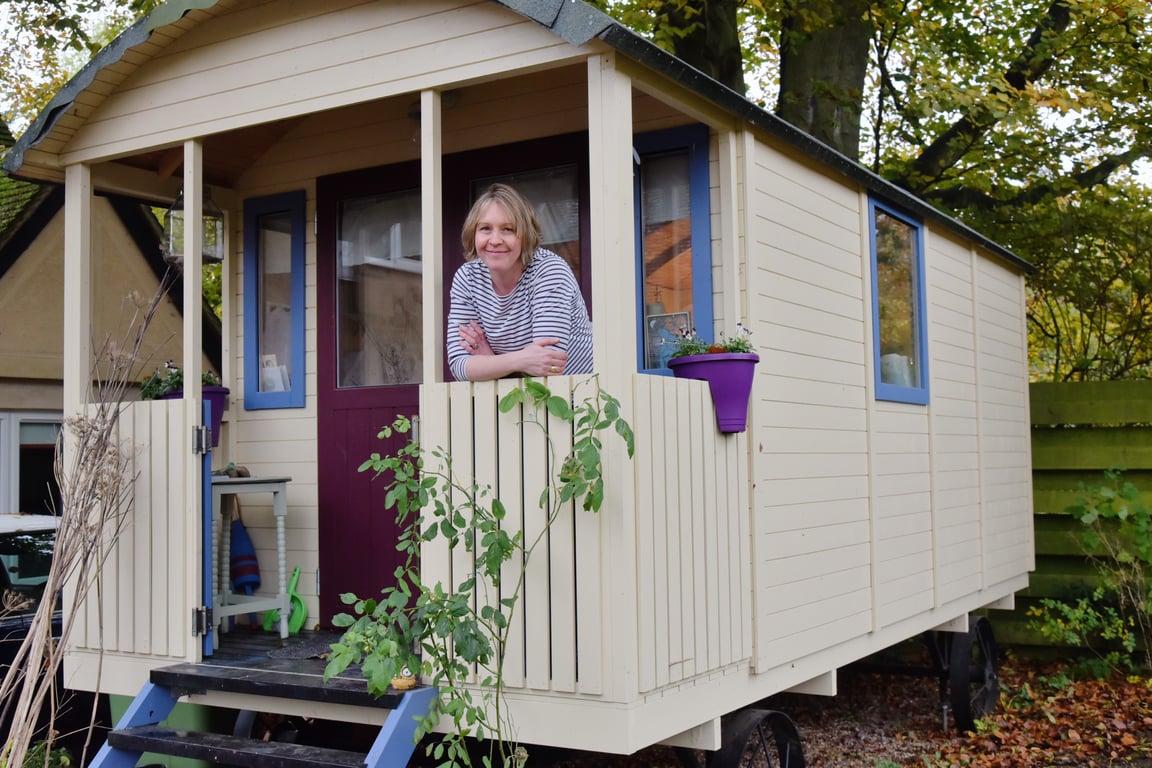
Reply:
x=431, y=234
x=193, y=365
x=77, y=286
x=613, y=260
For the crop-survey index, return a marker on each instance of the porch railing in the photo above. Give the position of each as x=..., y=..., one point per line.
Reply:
x=141, y=613
x=649, y=592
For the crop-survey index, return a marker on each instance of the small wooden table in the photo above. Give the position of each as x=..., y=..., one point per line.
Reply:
x=228, y=603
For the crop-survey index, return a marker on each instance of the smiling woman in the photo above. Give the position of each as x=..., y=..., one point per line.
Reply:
x=516, y=308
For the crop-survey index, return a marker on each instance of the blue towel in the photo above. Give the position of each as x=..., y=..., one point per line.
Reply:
x=245, y=568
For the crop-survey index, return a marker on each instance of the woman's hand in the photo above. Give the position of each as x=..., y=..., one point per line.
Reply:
x=543, y=358
x=540, y=358
x=473, y=340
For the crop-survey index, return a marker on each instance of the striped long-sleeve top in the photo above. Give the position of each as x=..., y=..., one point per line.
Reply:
x=546, y=303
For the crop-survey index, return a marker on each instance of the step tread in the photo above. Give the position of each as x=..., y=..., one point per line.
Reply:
x=291, y=680
x=223, y=749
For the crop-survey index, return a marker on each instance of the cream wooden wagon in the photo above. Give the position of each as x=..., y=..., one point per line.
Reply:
x=880, y=490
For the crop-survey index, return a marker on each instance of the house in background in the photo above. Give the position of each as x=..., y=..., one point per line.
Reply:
x=126, y=244
x=881, y=489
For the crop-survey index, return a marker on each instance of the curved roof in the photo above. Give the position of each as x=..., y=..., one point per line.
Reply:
x=571, y=20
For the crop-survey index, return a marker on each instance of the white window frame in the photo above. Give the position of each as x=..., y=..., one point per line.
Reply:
x=10, y=422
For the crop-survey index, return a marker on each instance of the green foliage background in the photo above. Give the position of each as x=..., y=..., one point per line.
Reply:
x=1027, y=119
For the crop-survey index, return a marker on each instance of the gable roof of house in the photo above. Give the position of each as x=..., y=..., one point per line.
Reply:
x=26, y=208
x=577, y=23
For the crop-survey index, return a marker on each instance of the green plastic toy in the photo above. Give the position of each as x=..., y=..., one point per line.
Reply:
x=299, y=612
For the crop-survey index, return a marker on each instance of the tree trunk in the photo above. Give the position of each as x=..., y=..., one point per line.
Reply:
x=712, y=40
x=822, y=71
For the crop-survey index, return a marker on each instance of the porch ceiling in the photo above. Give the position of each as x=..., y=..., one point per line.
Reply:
x=226, y=155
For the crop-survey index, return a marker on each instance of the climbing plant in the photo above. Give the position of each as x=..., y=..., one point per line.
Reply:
x=456, y=635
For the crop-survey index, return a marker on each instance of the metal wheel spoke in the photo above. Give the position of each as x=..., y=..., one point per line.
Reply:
x=974, y=682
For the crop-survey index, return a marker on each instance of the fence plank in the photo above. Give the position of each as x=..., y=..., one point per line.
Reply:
x=1092, y=402
x=1079, y=430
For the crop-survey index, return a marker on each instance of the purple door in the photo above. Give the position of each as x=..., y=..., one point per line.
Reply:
x=369, y=326
x=369, y=363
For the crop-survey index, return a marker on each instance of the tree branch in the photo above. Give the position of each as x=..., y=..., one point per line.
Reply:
x=1035, y=60
x=956, y=198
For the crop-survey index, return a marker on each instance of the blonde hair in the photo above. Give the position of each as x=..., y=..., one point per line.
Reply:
x=519, y=210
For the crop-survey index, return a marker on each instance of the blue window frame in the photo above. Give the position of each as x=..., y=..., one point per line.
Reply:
x=673, y=241
x=899, y=324
x=274, y=301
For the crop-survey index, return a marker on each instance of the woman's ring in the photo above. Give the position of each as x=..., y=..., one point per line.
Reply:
x=475, y=346
x=554, y=369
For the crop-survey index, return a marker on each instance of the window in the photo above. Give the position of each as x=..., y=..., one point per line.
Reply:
x=673, y=240
x=274, y=301
x=898, y=323
x=27, y=462
x=379, y=304
x=26, y=545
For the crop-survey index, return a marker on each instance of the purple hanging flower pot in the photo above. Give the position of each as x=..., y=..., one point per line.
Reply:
x=729, y=376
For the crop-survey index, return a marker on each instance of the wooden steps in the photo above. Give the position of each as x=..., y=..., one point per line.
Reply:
x=275, y=680
x=284, y=678
x=231, y=750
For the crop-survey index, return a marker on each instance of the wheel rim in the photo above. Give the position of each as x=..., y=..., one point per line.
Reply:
x=973, y=672
x=756, y=738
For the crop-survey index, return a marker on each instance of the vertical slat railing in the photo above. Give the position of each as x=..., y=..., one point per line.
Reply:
x=139, y=610
x=690, y=510
x=692, y=532
x=514, y=458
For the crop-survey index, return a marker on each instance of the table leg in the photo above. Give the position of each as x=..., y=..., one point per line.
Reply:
x=280, y=509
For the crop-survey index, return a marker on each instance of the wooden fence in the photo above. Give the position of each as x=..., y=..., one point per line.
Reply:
x=1079, y=430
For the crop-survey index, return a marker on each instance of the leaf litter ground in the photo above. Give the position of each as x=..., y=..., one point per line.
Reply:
x=1047, y=717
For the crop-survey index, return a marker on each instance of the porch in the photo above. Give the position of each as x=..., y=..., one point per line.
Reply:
x=652, y=594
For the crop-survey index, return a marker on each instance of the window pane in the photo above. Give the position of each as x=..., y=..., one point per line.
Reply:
x=667, y=253
x=25, y=558
x=554, y=194
x=39, y=493
x=896, y=288
x=275, y=301
x=378, y=299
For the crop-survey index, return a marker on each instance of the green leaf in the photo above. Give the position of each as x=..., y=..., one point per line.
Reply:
x=511, y=400
x=558, y=407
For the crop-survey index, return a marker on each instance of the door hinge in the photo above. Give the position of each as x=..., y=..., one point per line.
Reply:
x=201, y=439
x=201, y=621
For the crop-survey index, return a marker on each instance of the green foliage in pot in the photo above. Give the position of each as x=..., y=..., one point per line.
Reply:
x=169, y=378
x=453, y=634
x=691, y=344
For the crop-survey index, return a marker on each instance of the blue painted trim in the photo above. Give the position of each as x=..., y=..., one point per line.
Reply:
x=694, y=139
x=638, y=244
x=294, y=204
x=916, y=395
x=396, y=741
x=207, y=588
x=151, y=706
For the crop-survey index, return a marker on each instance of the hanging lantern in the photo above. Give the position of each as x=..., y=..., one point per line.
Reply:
x=213, y=234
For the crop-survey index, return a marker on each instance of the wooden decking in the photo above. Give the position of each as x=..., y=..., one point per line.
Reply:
x=252, y=645
x=261, y=664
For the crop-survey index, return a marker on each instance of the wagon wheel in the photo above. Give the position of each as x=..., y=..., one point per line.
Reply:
x=759, y=738
x=973, y=673
x=265, y=727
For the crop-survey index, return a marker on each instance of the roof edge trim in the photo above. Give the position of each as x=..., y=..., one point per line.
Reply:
x=139, y=32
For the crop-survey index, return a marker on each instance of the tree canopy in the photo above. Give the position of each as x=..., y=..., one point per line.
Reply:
x=1022, y=118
